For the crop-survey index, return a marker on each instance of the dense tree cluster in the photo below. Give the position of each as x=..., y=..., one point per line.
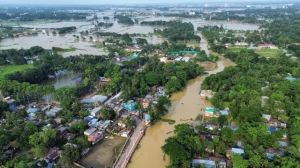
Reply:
x=16, y=57
x=239, y=88
x=176, y=31
x=64, y=30
x=173, y=76
x=124, y=19
x=104, y=24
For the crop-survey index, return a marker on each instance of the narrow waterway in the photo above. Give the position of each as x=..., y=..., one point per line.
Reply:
x=186, y=105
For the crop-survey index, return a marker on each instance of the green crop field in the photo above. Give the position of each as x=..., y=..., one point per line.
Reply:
x=13, y=68
x=268, y=52
x=263, y=52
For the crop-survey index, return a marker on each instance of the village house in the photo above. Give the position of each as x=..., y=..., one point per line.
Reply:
x=267, y=46
x=241, y=44
x=94, y=123
x=264, y=100
x=290, y=78
x=74, y=121
x=207, y=93
x=163, y=59
x=147, y=119
x=104, y=81
x=211, y=162
x=234, y=151
x=95, y=111
x=272, y=153
x=211, y=126
x=120, y=123
x=208, y=137
x=207, y=163
x=58, y=120
x=126, y=132
x=209, y=112
x=68, y=136
x=11, y=102
x=96, y=137
x=186, y=59
x=104, y=124
x=32, y=112
x=89, y=131
x=61, y=130
x=134, y=49
x=178, y=58
x=130, y=105
x=54, y=111
x=95, y=99
x=52, y=156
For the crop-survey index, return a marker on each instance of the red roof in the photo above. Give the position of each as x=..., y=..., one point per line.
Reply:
x=188, y=55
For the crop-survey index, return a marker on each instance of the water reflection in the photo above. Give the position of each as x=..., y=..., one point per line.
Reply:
x=68, y=79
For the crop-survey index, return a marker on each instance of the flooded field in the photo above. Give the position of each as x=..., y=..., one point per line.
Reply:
x=85, y=45
x=68, y=79
x=198, y=22
x=48, y=41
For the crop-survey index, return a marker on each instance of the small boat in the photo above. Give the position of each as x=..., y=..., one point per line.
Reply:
x=169, y=132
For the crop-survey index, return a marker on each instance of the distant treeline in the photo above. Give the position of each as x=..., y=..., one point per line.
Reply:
x=66, y=29
x=103, y=24
x=45, y=15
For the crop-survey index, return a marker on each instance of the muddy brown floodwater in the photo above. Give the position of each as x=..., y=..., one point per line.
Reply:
x=186, y=104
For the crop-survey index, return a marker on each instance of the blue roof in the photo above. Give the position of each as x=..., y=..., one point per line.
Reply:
x=135, y=56
x=130, y=105
x=224, y=112
x=272, y=128
x=33, y=110
x=89, y=118
x=147, y=116
x=207, y=163
x=291, y=79
x=95, y=99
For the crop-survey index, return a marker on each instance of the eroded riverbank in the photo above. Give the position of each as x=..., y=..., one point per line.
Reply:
x=186, y=105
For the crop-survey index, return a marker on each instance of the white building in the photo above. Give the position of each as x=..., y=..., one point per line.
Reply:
x=163, y=59
x=192, y=13
x=186, y=59
x=95, y=111
x=178, y=59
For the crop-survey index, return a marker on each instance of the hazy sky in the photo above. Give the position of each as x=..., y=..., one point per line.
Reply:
x=117, y=1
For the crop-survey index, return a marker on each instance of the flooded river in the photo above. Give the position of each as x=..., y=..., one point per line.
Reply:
x=186, y=105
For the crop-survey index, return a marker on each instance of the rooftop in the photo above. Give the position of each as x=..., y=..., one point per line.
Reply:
x=237, y=151
x=89, y=131
x=33, y=110
x=209, y=110
x=95, y=99
x=207, y=163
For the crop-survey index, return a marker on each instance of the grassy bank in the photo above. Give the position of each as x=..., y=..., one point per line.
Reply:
x=13, y=68
x=61, y=51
